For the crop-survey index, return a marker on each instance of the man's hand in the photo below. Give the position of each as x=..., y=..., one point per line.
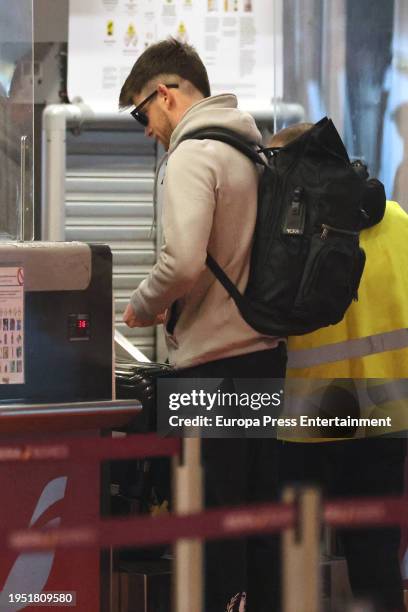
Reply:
x=131, y=319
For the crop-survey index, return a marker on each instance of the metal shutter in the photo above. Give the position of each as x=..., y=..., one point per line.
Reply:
x=109, y=189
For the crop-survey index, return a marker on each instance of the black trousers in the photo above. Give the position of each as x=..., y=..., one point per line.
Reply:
x=357, y=468
x=240, y=471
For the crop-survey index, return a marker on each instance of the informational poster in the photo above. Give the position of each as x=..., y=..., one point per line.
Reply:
x=239, y=41
x=11, y=325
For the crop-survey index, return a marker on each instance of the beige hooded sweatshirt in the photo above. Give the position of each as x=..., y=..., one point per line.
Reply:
x=209, y=203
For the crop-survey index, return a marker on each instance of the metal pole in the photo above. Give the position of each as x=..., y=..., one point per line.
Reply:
x=23, y=179
x=188, y=566
x=55, y=119
x=300, y=553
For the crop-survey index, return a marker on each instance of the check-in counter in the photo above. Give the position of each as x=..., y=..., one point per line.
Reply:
x=56, y=386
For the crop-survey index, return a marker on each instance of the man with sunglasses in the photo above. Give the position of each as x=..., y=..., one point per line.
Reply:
x=209, y=204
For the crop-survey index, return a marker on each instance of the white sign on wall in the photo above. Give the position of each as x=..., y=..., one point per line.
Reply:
x=239, y=41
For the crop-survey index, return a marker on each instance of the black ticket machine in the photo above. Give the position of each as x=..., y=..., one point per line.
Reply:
x=55, y=322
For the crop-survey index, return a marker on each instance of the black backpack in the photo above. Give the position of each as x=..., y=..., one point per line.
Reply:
x=306, y=261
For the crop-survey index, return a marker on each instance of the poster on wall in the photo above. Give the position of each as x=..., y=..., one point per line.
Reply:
x=11, y=325
x=240, y=42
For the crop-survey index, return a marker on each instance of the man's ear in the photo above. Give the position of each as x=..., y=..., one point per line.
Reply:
x=166, y=95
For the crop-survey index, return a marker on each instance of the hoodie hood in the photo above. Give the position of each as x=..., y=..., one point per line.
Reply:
x=216, y=111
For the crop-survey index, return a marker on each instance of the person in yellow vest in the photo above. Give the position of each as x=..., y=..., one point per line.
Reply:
x=357, y=368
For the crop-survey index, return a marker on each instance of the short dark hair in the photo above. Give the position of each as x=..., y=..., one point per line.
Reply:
x=165, y=57
x=285, y=136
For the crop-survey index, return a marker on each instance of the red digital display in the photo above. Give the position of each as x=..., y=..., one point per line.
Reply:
x=79, y=327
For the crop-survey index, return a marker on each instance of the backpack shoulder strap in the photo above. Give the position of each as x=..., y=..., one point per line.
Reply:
x=248, y=149
x=231, y=138
x=225, y=281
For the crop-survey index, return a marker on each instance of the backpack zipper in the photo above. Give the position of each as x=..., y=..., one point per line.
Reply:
x=328, y=228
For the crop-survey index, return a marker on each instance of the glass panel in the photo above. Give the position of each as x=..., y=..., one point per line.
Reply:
x=314, y=56
x=16, y=117
x=349, y=60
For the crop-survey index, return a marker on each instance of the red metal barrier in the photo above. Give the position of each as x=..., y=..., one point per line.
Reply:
x=92, y=448
x=212, y=524
x=366, y=512
x=220, y=523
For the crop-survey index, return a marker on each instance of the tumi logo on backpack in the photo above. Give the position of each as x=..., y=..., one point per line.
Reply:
x=306, y=262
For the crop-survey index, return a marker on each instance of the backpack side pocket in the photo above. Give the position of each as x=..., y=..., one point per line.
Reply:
x=330, y=279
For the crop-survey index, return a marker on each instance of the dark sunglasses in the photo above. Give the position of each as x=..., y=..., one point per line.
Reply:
x=139, y=115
